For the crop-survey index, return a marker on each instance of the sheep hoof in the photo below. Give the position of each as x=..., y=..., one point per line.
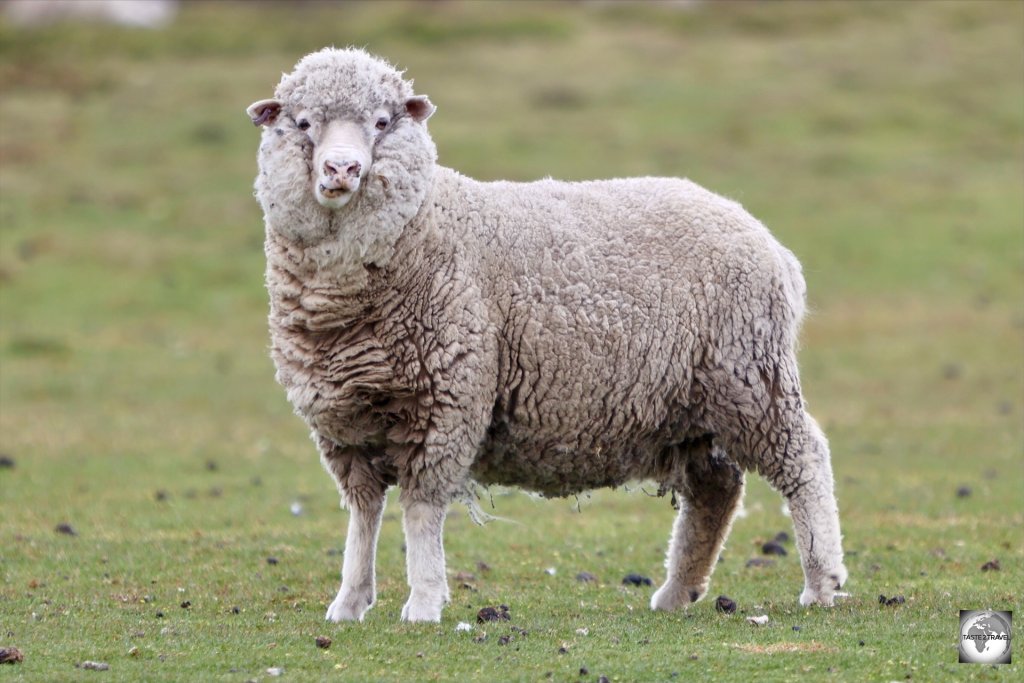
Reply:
x=419, y=609
x=821, y=589
x=672, y=596
x=349, y=607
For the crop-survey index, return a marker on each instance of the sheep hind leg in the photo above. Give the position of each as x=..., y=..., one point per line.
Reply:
x=358, y=585
x=802, y=472
x=711, y=493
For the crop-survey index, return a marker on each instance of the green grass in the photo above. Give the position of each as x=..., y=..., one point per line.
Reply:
x=883, y=142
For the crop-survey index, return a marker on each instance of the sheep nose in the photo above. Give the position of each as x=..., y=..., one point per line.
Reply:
x=344, y=169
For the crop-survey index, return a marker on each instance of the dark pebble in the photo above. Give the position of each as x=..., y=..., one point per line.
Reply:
x=760, y=562
x=186, y=604
x=503, y=640
x=271, y=560
x=636, y=580
x=562, y=650
x=159, y=615
x=11, y=655
x=323, y=642
x=890, y=602
x=773, y=548
x=6, y=462
x=725, y=605
x=493, y=614
x=211, y=466
x=603, y=679
x=963, y=492
x=161, y=495
x=781, y=537
x=861, y=643
x=991, y=566
x=585, y=577
x=796, y=628
x=584, y=671
x=66, y=529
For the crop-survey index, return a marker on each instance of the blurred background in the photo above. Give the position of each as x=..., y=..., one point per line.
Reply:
x=882, y=141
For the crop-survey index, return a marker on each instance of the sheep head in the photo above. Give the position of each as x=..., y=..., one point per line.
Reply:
x=342, y=113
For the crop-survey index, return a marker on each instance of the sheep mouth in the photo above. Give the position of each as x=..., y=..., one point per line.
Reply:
x=334, y=195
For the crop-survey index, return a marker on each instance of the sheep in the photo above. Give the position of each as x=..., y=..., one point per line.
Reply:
x=438, y=333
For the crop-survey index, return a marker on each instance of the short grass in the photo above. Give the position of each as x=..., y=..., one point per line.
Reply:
x=883, y=142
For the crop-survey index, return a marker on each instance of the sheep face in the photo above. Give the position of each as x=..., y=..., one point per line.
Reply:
x=336, y=111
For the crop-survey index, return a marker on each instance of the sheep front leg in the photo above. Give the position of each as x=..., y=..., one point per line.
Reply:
x=711, y=493
x=424, y=556
x=358, y=584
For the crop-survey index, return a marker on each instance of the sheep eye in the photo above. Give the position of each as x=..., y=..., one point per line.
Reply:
x=382, y=123
x=303, y=124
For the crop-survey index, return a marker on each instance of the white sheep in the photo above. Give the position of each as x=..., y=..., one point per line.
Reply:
x=435, y=331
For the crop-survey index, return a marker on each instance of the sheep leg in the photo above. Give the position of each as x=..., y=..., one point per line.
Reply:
x=424, y=555
x=711, y=493
x=358, y=584
x=803, y=475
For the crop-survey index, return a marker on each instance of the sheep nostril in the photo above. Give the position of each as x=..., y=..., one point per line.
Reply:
x=352, y=170
x=330, y=169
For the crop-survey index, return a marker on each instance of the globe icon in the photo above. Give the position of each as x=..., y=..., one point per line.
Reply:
x=985, y=637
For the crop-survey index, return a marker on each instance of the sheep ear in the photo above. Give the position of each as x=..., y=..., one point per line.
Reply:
x=264, y=112
x=420, y=107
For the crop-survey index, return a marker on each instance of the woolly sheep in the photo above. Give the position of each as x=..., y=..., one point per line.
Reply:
x=436, y=332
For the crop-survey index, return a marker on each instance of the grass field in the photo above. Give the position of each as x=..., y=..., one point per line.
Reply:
x=882, y=142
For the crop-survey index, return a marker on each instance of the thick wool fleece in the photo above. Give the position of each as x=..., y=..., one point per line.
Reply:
x=555, y=336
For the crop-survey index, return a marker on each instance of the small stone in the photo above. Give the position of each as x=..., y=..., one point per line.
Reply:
x=493, y=614
x=550, y=571
x=186, y=604
x=159, y=615
x=11, y=655
x=584, y=671
x=781, y=537
x=295, y=508
x=272, y=560
x=603, y=679
x=760, y=562
x=991, y=566
x=563, y=650
x=93, y=666
x=583, y=631
x=161, y=495
x=6, y=462
x=236, y=610
x=861, y=643
x=773, y=548
x=725, y=605
x=463, y=626
x=323, y=642
x=964, y=492
x=796, y=628
x=211, y=466
x=504, y=640
x=759, y=620
x=134, y=652
x=586, y=577
x=66, y=529
x=275, y=671
x=636, y=580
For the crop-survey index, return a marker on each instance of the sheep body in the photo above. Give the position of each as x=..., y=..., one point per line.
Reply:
x=554, y=336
